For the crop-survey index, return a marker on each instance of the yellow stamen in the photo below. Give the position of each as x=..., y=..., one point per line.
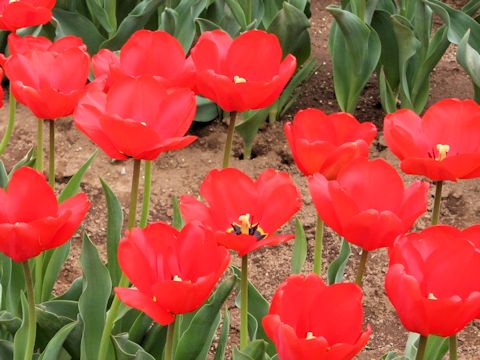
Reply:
x=177, y=278
x=239, y=80
x=432, y=297
x=442, y=151
x=244, y=223
x=310, y=336
x=154, y=299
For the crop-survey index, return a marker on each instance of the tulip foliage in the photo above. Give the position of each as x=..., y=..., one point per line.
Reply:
x=134, y=76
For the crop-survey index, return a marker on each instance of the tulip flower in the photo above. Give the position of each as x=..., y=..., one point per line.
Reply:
x=368, y=204
x=41, y=74
x=243, y=212
x=433, y=280
x=309, y=320
x=242, y=74
x=138, y=118
x=322, y=143
x=17, y=14
x=151, y=53
x=32, y=220
x=172, y=272
x=442, y=145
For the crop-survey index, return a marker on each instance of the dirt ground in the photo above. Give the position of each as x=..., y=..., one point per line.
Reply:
x=181, y=172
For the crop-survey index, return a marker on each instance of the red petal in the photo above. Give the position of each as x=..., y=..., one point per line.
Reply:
x=211, y=50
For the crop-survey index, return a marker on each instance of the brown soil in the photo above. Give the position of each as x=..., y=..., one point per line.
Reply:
x=181, y=172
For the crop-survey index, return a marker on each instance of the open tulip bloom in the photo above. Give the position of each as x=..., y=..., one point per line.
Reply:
x=244, y=213
x=244, y=73
x=309, y=320
x=442, y=145
x=172, y=272
x=19, y=14
x=137, y=118
x=32, y=220
x=150, y=53
x=322, y=143
x=433, y=280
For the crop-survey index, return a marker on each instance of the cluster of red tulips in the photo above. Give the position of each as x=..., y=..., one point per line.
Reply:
x=142, y=102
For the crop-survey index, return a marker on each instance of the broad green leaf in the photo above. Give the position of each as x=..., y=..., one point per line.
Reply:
x=97, y=287
x=255, y=350
x=6, y=350
x=299, y=248
x=20, y=340
x=73, y=23
x=199, y=334
x=248, y=128
x=272, y=7
x=207, y=110
x=100, y=15
x=188, y=11
x=28, y=160
x=10, y=322
x=139, y=327
x=61, y=308
x=55, y=345
x=74, y=292
x=238, y=13
x=223, y=340
x=336, y=270
x=469, y=59
x=114, y=231
x=437, y=348
x=154, y=341
x=206, y=25
x=48, y=324
x=13, y=283
x=73, y=185
x=128, y=350
x=53, y=263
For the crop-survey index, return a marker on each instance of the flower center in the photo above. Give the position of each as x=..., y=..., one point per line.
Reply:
x=310, y=336
x=154, y=299
x=239, y=80
x=245, y=227
x=442, y=151
x=432, y=297
x=177, y=278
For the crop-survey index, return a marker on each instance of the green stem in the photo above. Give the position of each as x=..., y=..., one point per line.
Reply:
x=361, y=267
x=112, y=313
x=12, y=107
x=228, y=143
x=51, y=155
x=147, y=192
x=38, y=277
x=249, y=12
x=169, y=343
x=452, y=342
x=244, y=303
x=317, y=259
x=436, y=204
x=362, y=9
x=32, y=322
x=421, y=347
x=39, y=162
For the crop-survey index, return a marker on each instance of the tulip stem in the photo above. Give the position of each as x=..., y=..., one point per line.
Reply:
x=317, y=259
x=169, y=343
x=51, y=155
x=244, y=303
x=453, y=347
x=437, y=201
x=361, y=267
x=12, y=107
x=39, y=162
x=147, y=192
x=422, y=345
x=228, y=143
x=32, y=322
x=112, y=313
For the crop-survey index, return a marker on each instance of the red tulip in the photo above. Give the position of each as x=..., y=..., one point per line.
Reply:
x=309, y=320
x=17, y=14
x=322, y=143
x=242, y=74
x=31, y=220
x=433, y=280
x=172, y=272
x=243, y=212
x=137, y=117
x=41, y=74
x=443, y=145
x=368, y=204
x=152, y=53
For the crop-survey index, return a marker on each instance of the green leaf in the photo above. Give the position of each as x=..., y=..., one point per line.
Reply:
x=188, y=11
x=10, y=322
x=73, y=185
x=74, y=292
x=53, y=263
x=469, y=59
x=97, y=287
x=135, y=20
x=238, y=13
x=206, y=25
x=222, y=341
x=73, y=23
x=199, y=334
x=255, y=350
x=177, y=221
x=207, y=110
x=12, y=281
x=100, y=15
x=437, y=348
x=61, y=308
x=20, y=340
x=248, y=128
x=6, y=350
x=336, y=270
x=299, y=248
x=128, y=350
x=114, y=231
x=28, y=160
x=55, y=345
x=3, y=176
x=154, y=341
